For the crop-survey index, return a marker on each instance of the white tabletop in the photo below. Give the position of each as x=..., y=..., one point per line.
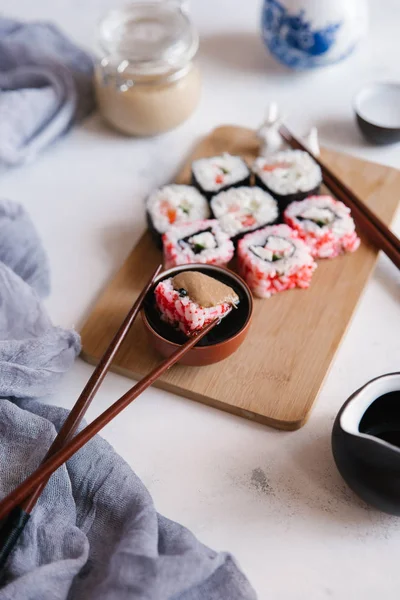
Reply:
x=274, y=499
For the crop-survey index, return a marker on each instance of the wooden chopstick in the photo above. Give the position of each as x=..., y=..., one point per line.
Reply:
x=12, y=529
x=89, y=391
x=46, y=469
x=374, y=228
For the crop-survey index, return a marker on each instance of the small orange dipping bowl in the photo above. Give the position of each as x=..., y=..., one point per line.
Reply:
x=222, y=341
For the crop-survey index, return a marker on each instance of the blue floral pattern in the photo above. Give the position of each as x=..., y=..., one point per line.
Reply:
x=292, y=40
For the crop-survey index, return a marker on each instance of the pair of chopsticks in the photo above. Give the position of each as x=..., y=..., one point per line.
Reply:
x=375, y=230
x=18, y=505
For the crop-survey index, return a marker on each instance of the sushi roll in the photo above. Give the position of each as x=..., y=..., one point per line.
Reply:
x=274, y=259
x=218, y=173
x=173, y=204
x=288, y=175
x=191, y=300
x=325, y=224
x=197, y=242
x=243, y=209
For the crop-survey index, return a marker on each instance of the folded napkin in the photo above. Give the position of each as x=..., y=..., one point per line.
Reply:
x=94, y=533
x=45, y=86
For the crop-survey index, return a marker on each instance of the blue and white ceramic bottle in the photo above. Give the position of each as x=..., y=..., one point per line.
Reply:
x=304, y=34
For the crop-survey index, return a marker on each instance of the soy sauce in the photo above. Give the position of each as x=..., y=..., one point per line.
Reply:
x=382, y=419
x=227, y=328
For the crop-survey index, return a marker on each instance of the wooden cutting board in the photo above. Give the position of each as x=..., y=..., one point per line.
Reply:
x=275, y=376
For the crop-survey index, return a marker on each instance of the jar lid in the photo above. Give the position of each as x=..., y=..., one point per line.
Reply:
x=151, y=37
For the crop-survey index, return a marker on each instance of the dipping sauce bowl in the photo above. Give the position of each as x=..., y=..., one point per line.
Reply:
x=366, y=443
x=377, y=108
x=224, y=339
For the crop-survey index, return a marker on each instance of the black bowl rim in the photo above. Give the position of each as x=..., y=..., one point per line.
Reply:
x=356, y=106
x=338, y=419
x=214, y=268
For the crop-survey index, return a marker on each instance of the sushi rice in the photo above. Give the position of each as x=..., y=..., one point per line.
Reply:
x=274, y=259
x=181, y=312
x=325, y=224
x=175, y=203
x=197, y=242
x=290, y=173
x=214, y=174
x=244, y=209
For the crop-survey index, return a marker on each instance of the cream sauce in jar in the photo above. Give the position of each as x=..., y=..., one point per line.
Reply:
x=147, y=83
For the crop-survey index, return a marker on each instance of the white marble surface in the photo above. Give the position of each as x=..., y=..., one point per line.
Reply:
x=274, y=499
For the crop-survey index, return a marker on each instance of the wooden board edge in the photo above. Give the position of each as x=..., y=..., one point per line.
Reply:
x=310, y=408
x=292, y=425
x=234, y=410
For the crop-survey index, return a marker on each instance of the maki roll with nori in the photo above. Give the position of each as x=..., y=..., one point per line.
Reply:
x=197, y=242
x=243, y=209
x=274, y=259
x=191, y=300
x=289, y=175
x=218, y=173
x=325, y=224
x=174, y=204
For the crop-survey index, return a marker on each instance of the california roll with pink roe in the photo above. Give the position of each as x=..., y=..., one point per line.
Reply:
x=325, y=224
x=197, y=242
x=191, y=300
x=274, y=259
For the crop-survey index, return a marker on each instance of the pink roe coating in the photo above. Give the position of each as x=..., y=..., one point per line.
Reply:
x=182, y=313
x=175, y=256
x=323, y=242
x=265, y=279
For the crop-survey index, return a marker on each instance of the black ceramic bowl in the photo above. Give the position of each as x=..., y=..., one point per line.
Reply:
x=366, y=443
x=377, y=108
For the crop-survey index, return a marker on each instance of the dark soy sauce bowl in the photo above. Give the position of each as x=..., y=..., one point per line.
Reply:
x=224, y=339
x=377, y=108
x=366, y=443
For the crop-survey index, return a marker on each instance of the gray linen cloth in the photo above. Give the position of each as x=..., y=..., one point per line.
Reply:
x=94, y=533
x=45, y=86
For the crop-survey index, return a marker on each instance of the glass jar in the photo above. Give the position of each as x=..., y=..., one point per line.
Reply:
x=146, y=82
